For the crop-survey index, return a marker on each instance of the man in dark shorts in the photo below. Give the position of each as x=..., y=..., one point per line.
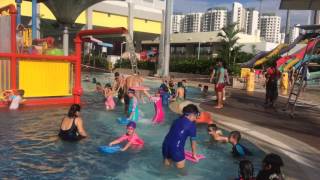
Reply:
x=272, y=77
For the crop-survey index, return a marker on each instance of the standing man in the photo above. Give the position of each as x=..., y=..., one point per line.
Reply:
x=272, y=77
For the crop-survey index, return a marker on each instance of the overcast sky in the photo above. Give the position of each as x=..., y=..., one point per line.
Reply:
x=186, y=6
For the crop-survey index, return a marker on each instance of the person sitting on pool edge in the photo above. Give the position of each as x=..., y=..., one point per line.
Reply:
x=238, y=150
x=14, y=98
x=181, y=129
x=71, y=128
x=216, y=134
x=131, y=137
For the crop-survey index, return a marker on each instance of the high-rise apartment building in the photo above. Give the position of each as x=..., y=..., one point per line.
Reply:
x=270, y=27
x=214, y=19
x=252, y=21
x=176, y=24
x=238, y=16
x=294, y=33
x=191, y=23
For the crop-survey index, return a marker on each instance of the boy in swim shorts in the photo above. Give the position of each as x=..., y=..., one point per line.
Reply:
x=181, y=129
x=216, y=134
x=238, y=150
x=132, y=138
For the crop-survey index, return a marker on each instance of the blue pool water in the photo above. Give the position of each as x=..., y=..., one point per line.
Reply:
x=30, y=148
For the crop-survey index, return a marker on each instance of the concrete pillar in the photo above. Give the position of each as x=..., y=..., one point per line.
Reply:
x=287, y=36
x=130, y=18
x=38, y=21
x=88, y=26
x=66, y=41
x=161, y=46
x=89, y=18
x=316, y=18
x=34, y=19
x=18, y=3
x=169, y=4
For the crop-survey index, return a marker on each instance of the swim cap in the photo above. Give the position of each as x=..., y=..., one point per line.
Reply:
x=132, y=124
x=131, y=91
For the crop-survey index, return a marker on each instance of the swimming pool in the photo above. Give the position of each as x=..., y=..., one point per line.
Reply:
x=31, y=149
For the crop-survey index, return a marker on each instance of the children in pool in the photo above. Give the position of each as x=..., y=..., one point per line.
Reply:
x=131, y=137
x=133, y=110
x=216, y=134
x=108, y=94
x=238, y=150
x=159, y=115
x=174, y=142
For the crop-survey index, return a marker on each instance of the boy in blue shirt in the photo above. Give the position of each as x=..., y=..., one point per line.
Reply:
x=238, y=150
x=181, y=129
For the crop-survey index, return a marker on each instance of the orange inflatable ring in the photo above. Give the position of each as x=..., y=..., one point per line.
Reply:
x=204, y=118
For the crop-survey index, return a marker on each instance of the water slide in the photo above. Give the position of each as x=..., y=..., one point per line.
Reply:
x=285, y=63
x=274, y=52
x=264, y=56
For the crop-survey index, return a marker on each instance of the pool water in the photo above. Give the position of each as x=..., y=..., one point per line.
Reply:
x=31, y=149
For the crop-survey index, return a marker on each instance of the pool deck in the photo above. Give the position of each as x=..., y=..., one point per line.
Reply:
x=296, y=140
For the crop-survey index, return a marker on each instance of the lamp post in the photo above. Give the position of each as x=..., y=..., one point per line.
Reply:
x=199, y=50
x=229, y=57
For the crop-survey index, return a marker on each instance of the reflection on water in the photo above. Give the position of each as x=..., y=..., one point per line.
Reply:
x=31, y=149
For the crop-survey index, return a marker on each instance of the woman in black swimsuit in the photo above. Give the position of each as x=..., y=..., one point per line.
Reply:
x=71, y=128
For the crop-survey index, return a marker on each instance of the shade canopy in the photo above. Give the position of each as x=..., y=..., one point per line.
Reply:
x=300, y=4
x=67, y=11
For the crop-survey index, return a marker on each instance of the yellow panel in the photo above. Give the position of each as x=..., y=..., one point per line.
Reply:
x=45, y=12
x=44, y=79
x=109, y=20
x=148, y=26
x=82, y=19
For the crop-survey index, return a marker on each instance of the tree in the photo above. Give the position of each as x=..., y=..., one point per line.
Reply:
x=229, y=41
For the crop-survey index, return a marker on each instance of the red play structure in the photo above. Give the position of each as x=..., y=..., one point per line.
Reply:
x=75, y=59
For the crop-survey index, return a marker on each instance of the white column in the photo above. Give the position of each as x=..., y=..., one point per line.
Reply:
x=161, y=46
x=66, y=41
x=130, y=18
x=89, y=18
x=167, y=37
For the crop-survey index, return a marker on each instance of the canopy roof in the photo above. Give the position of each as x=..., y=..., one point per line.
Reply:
x=300, y=4
x=67, y=11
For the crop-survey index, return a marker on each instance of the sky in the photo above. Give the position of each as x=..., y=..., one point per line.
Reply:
x=186, y=6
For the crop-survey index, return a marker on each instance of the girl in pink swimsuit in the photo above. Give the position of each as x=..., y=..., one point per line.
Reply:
x=131, y=137
x=108, y=94
x=159, y=114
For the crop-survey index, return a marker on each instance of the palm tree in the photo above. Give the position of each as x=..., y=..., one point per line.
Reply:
x=229, y=40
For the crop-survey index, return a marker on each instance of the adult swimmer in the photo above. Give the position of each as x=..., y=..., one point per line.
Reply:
x=71, y=128
x=181, y=129
x=118, y=86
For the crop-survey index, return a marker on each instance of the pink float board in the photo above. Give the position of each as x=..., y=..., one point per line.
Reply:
x=188, y=156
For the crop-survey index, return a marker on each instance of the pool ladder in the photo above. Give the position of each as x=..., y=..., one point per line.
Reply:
x=296, y=89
